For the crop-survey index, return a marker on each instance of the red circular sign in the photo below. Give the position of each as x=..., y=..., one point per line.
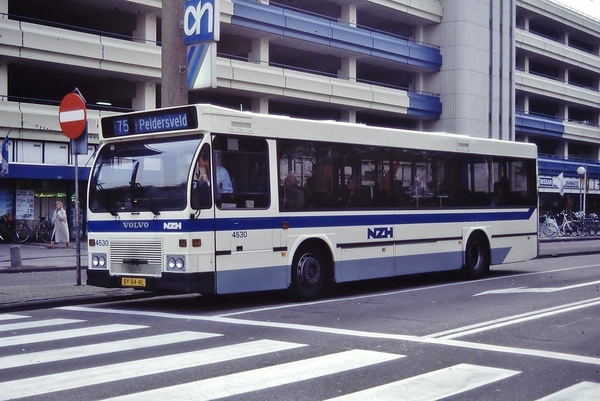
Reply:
x=72, y=115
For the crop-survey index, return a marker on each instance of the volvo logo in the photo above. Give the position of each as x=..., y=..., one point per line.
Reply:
x=136, y=224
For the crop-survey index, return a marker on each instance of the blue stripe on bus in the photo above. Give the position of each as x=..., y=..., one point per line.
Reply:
x=304, y=221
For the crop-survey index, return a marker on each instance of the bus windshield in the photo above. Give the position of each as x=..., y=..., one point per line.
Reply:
x=142, y=176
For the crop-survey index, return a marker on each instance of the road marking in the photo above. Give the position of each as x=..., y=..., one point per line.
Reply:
x=433, y=385
x=519, y=290
x=584, y=391
x=264, y=378
x=83, y=351
x=129, y=370
x=509, y=320
x=8, y=316
x=37, y=324
x=64, y=334
x=353, y=333
x=404, y=291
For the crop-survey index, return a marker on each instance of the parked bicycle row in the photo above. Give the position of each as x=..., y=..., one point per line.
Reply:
x=19, y=231
x=566, y=224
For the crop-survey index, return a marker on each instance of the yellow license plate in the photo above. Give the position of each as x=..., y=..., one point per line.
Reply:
x=133, y=282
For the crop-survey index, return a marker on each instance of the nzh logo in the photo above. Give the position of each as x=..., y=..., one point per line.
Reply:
x=380, y=232
x=168, y=225
x=200, y=21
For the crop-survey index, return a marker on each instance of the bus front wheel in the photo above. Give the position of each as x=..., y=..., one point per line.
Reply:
x=477, y=257
x=309, y=274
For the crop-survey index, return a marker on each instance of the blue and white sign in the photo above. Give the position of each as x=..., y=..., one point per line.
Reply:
x=201, y=21
x=202, y=66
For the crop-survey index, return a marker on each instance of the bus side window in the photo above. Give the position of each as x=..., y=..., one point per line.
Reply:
x=201, y=193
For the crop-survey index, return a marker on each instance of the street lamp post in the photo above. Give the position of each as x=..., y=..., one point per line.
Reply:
x=582, y=171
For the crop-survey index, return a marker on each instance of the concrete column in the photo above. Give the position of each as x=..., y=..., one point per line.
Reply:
x=4, y=6
x=146, y=29
x=348, y=69
x=526, y=104
x=564, y=150
x=145, y=96
x=565, y=112
x=526, y=138
x=526, y=23
x=3, y=80
x=260, y=105
x=348, y=116
x=348, y=14
x=260, y=51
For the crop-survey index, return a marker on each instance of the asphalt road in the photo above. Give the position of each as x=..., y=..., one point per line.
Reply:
x=528, y=332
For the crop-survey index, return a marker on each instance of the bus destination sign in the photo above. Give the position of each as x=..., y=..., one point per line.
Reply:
x=147, y=122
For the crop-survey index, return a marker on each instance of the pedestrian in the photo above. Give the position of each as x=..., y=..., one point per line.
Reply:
x=61, y=228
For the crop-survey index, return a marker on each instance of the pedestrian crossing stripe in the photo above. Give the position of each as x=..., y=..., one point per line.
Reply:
x=128, y=370
x=83, y=351
x=8, y=316
x=66, y=334
x=37, y=324
x=433, y=385
x=584, y=391
x=264, y=378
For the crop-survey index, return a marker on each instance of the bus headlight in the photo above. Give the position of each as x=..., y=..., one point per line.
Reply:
x=99, y=260
x=175, y=263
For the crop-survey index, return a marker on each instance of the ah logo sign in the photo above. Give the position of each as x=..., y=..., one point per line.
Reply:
x=200, y=21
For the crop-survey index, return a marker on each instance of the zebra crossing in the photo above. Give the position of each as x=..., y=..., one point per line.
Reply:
x=16, y=384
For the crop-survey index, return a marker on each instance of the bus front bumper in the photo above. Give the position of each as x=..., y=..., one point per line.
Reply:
x=202, y=283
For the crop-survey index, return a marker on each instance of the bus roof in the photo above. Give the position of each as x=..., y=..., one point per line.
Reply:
x=210, y=118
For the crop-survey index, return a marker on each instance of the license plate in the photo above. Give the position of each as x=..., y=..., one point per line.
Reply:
x=133, y=282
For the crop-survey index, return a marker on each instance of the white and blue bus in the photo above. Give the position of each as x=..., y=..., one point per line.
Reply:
x=210, y=200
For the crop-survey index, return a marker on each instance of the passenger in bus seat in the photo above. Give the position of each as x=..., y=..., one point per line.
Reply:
x=293, y=196
x=353, y=196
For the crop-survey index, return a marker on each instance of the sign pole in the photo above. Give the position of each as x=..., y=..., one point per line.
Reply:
x=77, y=228
x=72, y=116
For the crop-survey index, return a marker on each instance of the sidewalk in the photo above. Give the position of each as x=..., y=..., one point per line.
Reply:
x=36, y=257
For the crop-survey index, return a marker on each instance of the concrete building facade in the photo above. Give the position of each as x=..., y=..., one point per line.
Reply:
x=524, y=70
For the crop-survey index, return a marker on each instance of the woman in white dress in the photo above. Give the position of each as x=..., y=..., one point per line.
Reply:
x=61, y=228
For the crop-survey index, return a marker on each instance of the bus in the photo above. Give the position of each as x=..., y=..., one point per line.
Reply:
x=204, y=199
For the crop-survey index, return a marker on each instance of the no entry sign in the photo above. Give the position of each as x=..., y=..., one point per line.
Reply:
x=72, y=115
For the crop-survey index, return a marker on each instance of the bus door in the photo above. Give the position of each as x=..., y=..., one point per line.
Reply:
x=243, y=234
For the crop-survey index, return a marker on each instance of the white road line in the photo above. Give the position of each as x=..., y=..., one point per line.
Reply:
x=264, y=378
x=433, y=385
x=109, y=373
x=405, y=291
x=8, y=316
x=64, y=334
x=37, y=324
x=355, y=333
x=584, y=391
x=64, y=354
x=508, y=320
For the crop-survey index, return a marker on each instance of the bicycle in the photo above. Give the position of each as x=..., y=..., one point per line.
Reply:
x=21, y=232
x=549, y=227
x=5, y=227
x=567, y=227
x=43, y=232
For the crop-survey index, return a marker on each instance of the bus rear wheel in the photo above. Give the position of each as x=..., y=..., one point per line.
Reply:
x=309, y=274
x=477, y=257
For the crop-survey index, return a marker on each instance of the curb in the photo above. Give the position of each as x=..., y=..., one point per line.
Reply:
x=68, y=301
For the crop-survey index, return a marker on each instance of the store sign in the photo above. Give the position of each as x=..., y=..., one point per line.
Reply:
x=201, y=21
